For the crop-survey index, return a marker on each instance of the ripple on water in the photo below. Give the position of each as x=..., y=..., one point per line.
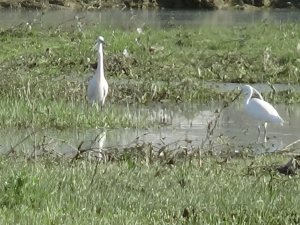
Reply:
x=186, y=125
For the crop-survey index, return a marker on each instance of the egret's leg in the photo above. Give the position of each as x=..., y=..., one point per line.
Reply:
x=95, y=104
x=265, y=129
x=89, y=156
x=258, y=128
x=102, y=103
x=98, y=106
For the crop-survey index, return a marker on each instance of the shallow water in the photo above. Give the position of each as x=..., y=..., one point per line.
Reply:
x=131, y=19
x=261, y=87
x=178, y=123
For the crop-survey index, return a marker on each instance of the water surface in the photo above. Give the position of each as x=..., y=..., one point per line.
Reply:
x=178, y=123
x=131, y=19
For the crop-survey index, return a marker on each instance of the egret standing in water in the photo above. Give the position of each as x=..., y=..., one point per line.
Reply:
x=260, y=109
x=98, y=86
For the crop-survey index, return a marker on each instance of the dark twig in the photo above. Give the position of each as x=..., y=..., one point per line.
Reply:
x=12, y=148
x=287, y=147
x=94, y=173
x=212, y=124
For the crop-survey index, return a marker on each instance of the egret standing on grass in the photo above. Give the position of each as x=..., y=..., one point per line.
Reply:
x=260, y=109
x=98, y=86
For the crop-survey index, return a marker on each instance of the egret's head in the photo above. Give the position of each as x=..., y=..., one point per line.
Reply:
x=100, y=40
x=246, y=89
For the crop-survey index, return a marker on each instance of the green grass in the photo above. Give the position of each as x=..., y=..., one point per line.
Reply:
x=44, y=73
x=62, y=114
x=49, y=68
x=240, y=191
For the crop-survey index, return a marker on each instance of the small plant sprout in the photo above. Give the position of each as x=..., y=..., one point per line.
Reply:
x=98, y=86
x=125, y=53
x=298, y=47
x=139, y=30
x=267, y=58
x=28, y=26
x=138, y=39
x=260, y=109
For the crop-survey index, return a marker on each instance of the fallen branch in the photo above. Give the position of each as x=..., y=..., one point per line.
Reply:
x=287, y=147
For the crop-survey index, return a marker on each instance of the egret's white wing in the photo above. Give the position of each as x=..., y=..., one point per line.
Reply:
x=262, y=110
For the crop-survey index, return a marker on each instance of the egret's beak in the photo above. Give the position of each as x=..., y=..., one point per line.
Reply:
x=95, y=47
x=238, y=95
x=240, y=91
x=104, y=43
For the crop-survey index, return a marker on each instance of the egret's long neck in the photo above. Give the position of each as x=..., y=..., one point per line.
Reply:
x=247, y=99
x=100, y=66
x=259, y=95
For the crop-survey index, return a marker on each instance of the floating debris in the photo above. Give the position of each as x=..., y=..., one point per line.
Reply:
x=290, y=168
x=139, y=30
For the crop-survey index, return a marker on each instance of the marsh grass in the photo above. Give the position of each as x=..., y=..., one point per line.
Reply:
x=50, y=66
x=62, y=114
x=241, y=190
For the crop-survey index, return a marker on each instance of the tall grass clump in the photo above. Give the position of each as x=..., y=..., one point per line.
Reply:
x=129, y=190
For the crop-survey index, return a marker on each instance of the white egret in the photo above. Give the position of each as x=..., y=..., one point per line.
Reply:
x=98, y=86
x=260, y=109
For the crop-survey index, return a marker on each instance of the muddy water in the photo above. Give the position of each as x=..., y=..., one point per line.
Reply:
x=130, y=19
x=177, y=124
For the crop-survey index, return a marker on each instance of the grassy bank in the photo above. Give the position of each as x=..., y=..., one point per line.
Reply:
x=130, y=191
x=148, y=4
x=44, y=71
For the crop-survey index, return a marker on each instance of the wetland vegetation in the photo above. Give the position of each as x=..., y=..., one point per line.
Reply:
x=44, y=72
